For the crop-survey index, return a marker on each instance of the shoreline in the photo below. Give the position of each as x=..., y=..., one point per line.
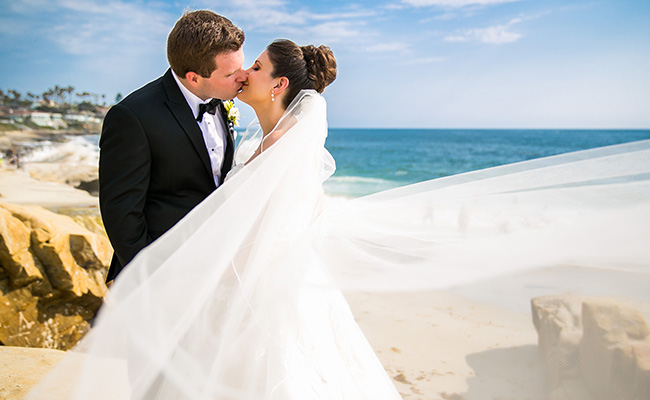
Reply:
x=20, y=138
x=59, y=156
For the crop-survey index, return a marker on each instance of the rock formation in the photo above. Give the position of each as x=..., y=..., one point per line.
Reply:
x=51, y=277
x=593, y=348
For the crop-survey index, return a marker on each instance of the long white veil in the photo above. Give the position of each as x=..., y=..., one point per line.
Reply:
x=213, y=307
x=588, y=208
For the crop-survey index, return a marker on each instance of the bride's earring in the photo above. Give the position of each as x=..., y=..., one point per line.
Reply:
x=272, y=95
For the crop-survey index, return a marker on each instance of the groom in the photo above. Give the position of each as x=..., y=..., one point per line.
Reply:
x=166, y=146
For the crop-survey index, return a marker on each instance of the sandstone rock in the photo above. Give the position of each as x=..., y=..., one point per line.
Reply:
x=593, y=348
x=51, y=277
x=613, y=330
x=15, y=256
x=559, y=328
x=573, y=389
x=87, y=217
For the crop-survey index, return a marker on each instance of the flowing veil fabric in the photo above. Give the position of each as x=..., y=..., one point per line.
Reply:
x=241, y=299
x=233, y=303
x=588, y=208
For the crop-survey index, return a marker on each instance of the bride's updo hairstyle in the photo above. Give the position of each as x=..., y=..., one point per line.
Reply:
x=306, y=67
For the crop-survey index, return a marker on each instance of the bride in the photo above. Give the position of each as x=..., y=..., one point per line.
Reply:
x=255, y=311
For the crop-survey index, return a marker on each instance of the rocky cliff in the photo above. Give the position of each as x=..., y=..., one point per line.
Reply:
x=52, y=272
x=593, y=348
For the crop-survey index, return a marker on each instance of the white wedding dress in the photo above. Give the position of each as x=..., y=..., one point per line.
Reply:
x=241, y=299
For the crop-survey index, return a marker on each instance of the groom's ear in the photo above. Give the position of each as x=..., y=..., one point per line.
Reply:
x=192, y=78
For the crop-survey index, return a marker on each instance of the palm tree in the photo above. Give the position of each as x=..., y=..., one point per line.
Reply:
x=57, y=94
x=84, y=96
x=62, y=93
x=16, y=95
x=47, y=96
x=31, y=97
x=70, y=89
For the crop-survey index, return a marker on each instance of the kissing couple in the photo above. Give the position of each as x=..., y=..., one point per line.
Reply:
x=229, y=263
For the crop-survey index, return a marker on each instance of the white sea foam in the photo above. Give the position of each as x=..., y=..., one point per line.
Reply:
x=77, y=150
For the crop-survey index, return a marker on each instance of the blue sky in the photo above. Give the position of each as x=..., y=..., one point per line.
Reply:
x=402, y=63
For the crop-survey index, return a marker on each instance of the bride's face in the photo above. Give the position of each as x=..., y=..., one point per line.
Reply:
x=257, y=88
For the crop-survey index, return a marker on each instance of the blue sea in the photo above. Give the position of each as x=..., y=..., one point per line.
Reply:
x=371, y=160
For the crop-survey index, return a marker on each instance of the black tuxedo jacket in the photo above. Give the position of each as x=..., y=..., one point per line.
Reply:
x=153, y=167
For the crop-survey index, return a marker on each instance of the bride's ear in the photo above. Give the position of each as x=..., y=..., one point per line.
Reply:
x=281, y=85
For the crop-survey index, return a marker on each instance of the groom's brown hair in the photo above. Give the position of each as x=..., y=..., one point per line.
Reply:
x=197, y=37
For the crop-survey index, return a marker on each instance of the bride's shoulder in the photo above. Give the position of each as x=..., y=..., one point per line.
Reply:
x=274, y=136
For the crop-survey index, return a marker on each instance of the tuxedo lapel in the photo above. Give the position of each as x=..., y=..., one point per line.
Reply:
x=183, y=114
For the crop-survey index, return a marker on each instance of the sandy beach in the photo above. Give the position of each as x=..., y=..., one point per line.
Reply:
x=435, y=345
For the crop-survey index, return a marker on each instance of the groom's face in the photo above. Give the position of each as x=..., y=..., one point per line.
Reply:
x=225, y=81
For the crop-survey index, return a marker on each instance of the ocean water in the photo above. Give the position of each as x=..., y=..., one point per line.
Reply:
x=372, y=160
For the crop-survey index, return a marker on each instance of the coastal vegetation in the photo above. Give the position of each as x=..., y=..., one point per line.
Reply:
x=58, y=98
x=59, y=108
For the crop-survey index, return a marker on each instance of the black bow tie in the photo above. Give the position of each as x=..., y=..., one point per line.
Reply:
x=209, y=107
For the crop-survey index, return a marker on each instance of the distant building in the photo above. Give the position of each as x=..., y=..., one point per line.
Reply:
x=51, y=120
x=82, y=118
x=18, y=115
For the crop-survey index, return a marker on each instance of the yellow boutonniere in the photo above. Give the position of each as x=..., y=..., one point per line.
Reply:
x=232, y=111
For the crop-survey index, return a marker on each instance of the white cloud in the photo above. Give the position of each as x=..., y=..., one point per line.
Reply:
x=424, y=60
x=393, y=6
x=388, y=47
x=454, y=3
x=498, y=34
x=98, y=28
x=281, y=18
x=345, y=15
x=28, y=6
x=333, y=32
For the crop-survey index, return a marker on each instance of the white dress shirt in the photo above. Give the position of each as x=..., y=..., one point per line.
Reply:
x=213, y=129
